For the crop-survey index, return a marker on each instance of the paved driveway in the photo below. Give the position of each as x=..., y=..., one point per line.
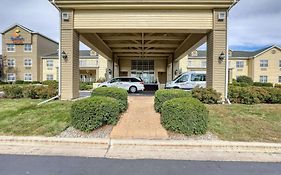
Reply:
x=140, y=121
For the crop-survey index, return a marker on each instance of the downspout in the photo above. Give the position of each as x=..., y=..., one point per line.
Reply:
x=59, y=54
x=227, y=55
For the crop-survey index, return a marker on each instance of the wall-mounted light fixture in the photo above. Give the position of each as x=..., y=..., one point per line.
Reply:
x=176, y=72
x=64, y=55
x=109, y=71
x=221, y=57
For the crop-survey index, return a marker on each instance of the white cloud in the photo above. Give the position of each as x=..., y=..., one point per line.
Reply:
x=253, y=23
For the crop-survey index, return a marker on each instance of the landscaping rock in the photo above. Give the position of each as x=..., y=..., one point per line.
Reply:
x=207, y=136
x=102, y=132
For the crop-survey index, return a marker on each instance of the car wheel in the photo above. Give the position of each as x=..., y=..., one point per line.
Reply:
x=176, y=87
x=133, y=89
x=104, y=86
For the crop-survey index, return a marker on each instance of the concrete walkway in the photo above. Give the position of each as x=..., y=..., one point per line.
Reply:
x=140, y=121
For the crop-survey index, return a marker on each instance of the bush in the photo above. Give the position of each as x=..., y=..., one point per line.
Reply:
x=206, y=95
x=263, y=84
x=164, y=95
x=39, y=91
x=275, y=95
x=52, y=83
x=185, y=115
x=277, y=85
x=19, y=82
x=13, y=91
x=2, y=82
x=244, y=95
x=244, y=80
x=92, y=113
x=86, y=86
x=254, y=95
x=119, y=94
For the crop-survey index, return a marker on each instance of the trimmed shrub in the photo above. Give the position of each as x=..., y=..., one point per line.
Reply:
x=206, y=95
x=263, y=84
x=86, y=86
x=244, y=80
x=277, y=85
x=119, y=94
x=2, y=82
x=164, y=95
x=92, y=113
x=19, y=82
x=52, y=83
x=275, y=95
x=185, y=115
x=244, y=95
x=39, y=91
x=13, y=91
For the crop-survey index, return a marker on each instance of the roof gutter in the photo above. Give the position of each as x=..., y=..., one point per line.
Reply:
x=227, y=55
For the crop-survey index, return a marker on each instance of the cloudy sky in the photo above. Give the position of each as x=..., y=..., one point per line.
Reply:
x=253, y=23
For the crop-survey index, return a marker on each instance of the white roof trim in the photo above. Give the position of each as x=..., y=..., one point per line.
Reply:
x=273, y=46
x=28, y=30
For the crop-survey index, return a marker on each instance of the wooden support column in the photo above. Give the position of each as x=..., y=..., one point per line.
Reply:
x=70, y=65
x=216, y=45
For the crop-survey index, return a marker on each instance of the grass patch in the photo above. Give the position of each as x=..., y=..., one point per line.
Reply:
x=22, y=117
x=238, y=122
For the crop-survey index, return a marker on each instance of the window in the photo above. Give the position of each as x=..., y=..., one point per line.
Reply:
x=11, y=62
x=11, y=48
x=203, y=64
x=27, y=62
x=27, y=48
x=240, y=64
x=279, y=79
x=27, y=77
x=264, y=63
x=263, y=79
x=183, y=78
x=280, y=63
x=50, y=64
x=11, y=77
x=50, y=77
x=198, y=77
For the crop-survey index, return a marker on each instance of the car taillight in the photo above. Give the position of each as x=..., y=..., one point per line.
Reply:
x=141, y=82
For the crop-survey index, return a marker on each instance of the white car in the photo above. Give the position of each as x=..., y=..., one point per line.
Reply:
x=131, y=84
x=188, y=80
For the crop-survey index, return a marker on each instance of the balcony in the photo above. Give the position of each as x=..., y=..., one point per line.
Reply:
x=89, y=63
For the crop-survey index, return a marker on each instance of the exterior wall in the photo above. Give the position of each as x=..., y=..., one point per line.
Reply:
x=50, y=71
x=45, y=46
x=216, y=44
x=19, y=55
x=70, y=66
x=142, y=19
x=40, y=46
x=236, y=72
x=273, y=71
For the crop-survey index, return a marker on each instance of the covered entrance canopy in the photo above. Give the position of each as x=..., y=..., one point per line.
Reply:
x=161, y=30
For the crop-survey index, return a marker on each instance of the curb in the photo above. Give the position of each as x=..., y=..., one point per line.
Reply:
x=142, y=149
x=54, y=140
x=220, y=146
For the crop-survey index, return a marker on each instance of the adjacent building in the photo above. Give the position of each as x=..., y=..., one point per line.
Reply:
x=93, y=67
x=22, y=49
x=263, y=65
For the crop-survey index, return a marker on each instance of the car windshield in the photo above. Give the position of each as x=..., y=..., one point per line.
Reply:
x=177, y=77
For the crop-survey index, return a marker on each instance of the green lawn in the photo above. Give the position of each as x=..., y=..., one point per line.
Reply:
x=246, y=122
x=24, y=118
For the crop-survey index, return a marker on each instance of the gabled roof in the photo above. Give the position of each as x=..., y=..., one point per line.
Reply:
x=28, y=30
x=239, y=54
x=82, y=54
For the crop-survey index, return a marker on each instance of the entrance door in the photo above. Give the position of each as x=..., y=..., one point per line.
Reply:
x=144, y=69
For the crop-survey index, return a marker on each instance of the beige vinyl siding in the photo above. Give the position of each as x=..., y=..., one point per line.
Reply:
x=143, y=19
x=272, y=71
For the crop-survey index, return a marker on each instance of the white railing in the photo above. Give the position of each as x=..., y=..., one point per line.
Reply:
x=89, y=63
